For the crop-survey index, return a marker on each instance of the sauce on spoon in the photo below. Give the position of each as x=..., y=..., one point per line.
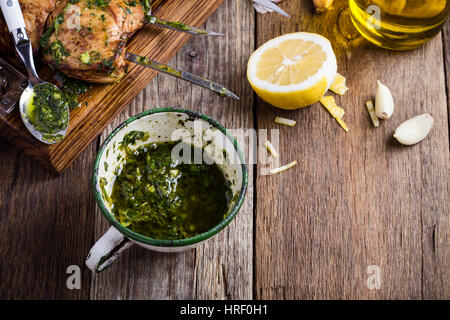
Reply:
x=47, y=111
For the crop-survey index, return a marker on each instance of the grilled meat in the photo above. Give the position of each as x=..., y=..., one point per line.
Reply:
x=35, y=13
x=85, y=39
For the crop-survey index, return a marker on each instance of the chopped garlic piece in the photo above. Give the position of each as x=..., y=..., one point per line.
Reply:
x=283, y=168
x=337, y=112
x=286, y=122
x=373, y=116
x=338, y=86
x=271, y=148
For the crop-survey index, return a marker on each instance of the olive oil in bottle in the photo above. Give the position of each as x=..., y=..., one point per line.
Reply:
x=399, y=24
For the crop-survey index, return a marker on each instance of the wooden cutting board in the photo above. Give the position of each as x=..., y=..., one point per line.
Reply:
x=105, y=102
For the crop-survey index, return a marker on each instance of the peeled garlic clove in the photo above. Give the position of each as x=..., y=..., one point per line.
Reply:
x=414, y=130
x=384, y=103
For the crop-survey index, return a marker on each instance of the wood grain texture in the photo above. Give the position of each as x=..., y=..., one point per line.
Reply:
x=105, y=102
x=358, y=198
x=46, y=225
x=355, y=199
x=446, y=41
x=221, y=268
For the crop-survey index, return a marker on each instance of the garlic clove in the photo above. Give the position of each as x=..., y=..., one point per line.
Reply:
x=414, y=130
x=384, y=103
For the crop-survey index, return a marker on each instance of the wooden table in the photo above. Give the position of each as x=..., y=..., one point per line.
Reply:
x=356, y=199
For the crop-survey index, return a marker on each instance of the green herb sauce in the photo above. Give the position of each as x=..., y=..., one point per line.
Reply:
x=171, y=24
x=107, y=66
x=146, y=62
x=132, y=137
x=101, y=4
x=58, y=53
x=146, y=4
x=47, y=110
x=52, y=138
x=162, y=199
x=72, y=88
x=55, y=26
x=91, y=57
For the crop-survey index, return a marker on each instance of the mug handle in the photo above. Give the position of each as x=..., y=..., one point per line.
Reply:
x=106, y=250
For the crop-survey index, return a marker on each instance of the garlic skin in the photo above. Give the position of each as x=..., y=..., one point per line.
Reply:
x=322, y=5
x=414, y=130
x=384, y=103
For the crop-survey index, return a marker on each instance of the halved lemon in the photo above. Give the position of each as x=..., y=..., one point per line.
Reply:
x=292, y=71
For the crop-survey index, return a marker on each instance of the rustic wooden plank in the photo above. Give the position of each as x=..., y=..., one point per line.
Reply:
x=222, y=268
x=446, y=41
x=358, y=198
x=47, y=224
x=436, y=221
x=105, y=102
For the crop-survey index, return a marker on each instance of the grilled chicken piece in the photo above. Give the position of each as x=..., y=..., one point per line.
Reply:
x=35, y=13
x=86, y=39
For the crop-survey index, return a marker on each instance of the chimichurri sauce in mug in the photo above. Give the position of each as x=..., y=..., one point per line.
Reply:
x=162, y=199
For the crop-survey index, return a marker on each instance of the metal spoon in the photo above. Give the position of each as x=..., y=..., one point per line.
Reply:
x=16, y=25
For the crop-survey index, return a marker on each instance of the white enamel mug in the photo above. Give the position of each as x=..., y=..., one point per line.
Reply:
x=162, y=125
